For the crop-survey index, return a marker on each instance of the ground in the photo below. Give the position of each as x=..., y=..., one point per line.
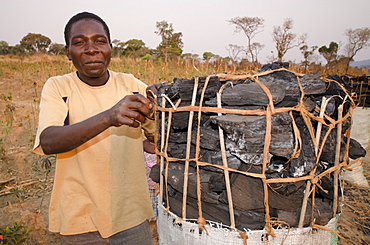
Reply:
x=26, y=179
x=354, y=223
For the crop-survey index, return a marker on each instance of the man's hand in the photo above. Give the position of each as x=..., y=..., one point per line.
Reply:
x=131, y=111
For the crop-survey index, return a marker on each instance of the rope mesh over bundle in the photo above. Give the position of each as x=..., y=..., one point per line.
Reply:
x=314, y=124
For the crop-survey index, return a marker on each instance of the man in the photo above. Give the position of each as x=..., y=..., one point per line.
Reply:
x=93, y=120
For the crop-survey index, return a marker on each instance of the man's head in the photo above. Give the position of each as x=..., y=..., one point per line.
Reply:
x=81, y=16
x=89, y=47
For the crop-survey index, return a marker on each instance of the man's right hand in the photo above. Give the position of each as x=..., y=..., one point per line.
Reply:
x=131, y=111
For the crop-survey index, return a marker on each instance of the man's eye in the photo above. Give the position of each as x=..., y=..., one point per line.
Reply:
x=101, y=41
x=78, y=43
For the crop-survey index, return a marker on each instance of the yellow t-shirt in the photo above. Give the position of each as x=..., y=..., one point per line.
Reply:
x=101, y=185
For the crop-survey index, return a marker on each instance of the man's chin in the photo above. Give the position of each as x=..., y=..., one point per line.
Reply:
x=94, y=74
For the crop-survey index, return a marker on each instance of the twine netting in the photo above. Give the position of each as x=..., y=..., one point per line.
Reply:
x=200, y=229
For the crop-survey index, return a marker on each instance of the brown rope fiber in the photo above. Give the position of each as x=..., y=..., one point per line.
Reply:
x=318, y=139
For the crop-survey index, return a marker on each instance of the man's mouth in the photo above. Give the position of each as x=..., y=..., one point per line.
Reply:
x=93, y=62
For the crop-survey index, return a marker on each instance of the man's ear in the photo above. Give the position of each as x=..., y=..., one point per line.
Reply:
x=67, y=53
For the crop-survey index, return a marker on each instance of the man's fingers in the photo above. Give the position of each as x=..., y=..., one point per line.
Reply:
x=141, y=104
x=132, y=110
x=129, y=122
x=142, y=99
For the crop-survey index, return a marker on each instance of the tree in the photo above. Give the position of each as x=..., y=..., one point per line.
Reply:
x=133, y=47
x=57, y=49
x=18, y=49
x=285, y=40
x=171, y=44
x=256, y=48
x=357, y=39
x=118, y=47
x=207, y=55
x=251, y=27
x=307, y=54
x=190, y=56
x=35, y=43
x=330, y=53
x=234, y=51
x=4, y=48
x=116, y=50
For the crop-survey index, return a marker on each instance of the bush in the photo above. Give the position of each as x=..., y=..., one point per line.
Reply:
x=14, y=234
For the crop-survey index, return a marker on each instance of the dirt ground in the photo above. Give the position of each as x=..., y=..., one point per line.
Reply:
x=354, y=222
x=26, y=179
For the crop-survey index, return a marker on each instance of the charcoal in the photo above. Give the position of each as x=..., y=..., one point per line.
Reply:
x=169, y=91
x=328, y=155
x=306, y=161
x=290, y=153
x=294, y=101
x=185, y=87
x=215, y=158
x=355, y=149
x=209, y=139
x=288, y=80
x=178, y=137
x=274, y=66
x=176, y=180
x=331, y=106
x=244, y=107
x=180, y=120
x=217, y=183
x=245, y=135
x=219, y=213
x=279, y=168
x=179, y=150
x=334, y=89
x=323, y=213
x=155, y=173
x=327, y=188
x=251, y=94
x=232, y=161
x=246, y=198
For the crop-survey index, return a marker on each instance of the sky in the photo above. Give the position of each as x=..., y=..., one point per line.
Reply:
x=204, y=23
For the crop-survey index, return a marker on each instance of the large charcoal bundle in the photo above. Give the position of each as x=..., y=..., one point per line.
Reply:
x=254, y=151
x=359, y=87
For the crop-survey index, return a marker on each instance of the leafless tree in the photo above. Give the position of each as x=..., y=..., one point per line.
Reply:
x=285, y=40
x=357, y=39
x=234, y=51
x=256, y=48
x=251, y=27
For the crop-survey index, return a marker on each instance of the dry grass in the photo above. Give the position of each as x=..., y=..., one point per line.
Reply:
x=24, y=180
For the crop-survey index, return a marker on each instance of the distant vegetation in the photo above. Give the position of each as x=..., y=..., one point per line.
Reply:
x=168, y=59
x=39, y=67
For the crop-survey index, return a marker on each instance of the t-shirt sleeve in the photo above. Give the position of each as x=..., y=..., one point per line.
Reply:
x=53, y=111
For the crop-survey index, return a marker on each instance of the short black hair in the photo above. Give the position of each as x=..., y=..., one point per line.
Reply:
x=84, y=16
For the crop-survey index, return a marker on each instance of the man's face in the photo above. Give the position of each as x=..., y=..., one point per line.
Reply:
x=89, y=50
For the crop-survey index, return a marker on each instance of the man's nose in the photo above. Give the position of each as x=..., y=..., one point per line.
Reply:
x=91, y=48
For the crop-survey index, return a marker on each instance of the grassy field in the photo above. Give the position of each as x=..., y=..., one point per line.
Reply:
x=25, y=178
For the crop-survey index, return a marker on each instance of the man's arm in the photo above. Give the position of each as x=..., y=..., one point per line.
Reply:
x=131, y=111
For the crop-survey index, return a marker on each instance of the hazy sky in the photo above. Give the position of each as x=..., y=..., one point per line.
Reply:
x=203, y=23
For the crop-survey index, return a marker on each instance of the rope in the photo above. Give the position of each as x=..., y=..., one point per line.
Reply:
x=319, y=142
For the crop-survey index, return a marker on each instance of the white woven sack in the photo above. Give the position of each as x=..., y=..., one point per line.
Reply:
x=354, y=175
x=174, y=232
